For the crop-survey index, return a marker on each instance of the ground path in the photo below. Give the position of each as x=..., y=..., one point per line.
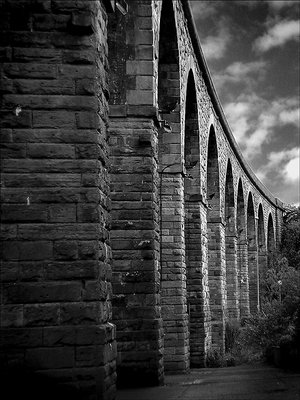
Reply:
x=257, y=382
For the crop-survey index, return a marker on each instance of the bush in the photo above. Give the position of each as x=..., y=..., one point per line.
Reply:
x=290, y=243
x=274, y=332
x=276, y=326
x=214, y=359
x=232, y=329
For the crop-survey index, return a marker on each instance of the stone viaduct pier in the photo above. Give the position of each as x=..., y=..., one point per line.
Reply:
x=132, y=227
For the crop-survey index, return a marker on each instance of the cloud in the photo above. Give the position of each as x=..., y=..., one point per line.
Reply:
x=278, y=5
x=280, y=174
x=278, y=35
x=203, y=9
x=291, y=169
x=246, y=73
x=290, y=117
x=254, y=119
x=284, y=163
x=214, y=47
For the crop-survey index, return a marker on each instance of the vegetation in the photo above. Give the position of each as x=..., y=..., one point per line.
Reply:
x=275, y=329
x=273, y=334
x=290, y=243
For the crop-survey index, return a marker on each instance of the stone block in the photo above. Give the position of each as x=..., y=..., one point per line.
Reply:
x=21, y=337
x=47, y=358
x=20, y=213
x=70, y=270
x=62, y=213
x=12, y=316
x=80, y=313
x=139, y=68
x=23, y=70
x=65, y=250
x=41, y=315
x=41, y=292
x=9, y=119
x=50, y=151
x=37, y=55
x=54, y=119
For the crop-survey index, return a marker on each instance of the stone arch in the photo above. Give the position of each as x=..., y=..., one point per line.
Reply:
x=270, y=236
x=192, y=232
x=213, y=177
x=252, y=255
x=231, y=247
x=169, y=88
x=216, y=246
x=261, y=241
x=192, y=141
x=242, y=253
x=171, y=194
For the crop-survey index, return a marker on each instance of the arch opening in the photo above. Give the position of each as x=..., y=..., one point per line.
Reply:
x=242, y=254
x=262, y=255
x=192, y=229
x=168, y=65
x=270, y=239
x=231, y=248
x=216, y=247
x=171, y=195
x=252, y=256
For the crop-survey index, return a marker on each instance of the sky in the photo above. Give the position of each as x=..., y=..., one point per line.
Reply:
x=252, y=51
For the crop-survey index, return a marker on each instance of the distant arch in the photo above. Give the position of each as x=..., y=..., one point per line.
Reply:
x=261, y=230
x=168, y=99
x=171, y=223
x=216, y=245
x=191, y=140
x=270, y=235
x=168, y=62
x=192, y=225
x=252, y=255
x=262, y=248
x=242, y=253
x=213, y=177
x=231, y=246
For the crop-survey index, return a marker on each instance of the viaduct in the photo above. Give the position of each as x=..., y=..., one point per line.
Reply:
x=132, y=227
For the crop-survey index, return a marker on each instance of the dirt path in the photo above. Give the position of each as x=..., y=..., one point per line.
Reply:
x=257, y=382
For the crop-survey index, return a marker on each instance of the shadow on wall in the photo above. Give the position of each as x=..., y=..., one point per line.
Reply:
x=18, y=383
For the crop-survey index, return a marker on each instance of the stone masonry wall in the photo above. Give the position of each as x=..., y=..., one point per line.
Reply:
x=56, y=257
x=135, y=203
x=178, y=270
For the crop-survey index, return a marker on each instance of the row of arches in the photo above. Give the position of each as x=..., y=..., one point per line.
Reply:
x=214, y=248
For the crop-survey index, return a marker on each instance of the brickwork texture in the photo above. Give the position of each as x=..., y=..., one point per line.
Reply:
x=133, y=229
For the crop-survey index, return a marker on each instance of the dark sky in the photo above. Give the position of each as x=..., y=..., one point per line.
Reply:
x=252, y=51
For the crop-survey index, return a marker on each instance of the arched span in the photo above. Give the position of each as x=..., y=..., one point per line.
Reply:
x=213, y=177
x=169, y=149
x=271, y=235
x=231, y=247
x=261, y=230
x=191, y=141
x=168, y=65
x=192, y=232
x=216, y=246
x=252, y=256
x=262, y=255
x=172, y=246
x=242, y=253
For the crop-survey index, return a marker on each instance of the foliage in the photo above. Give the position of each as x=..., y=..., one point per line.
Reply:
x=278, y=321
x=214, y=359
x=277, y=325
x=290, y=243
x=232, y=329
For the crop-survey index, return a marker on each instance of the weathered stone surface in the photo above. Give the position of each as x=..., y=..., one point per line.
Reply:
x=185, y=251
x=55, y=279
